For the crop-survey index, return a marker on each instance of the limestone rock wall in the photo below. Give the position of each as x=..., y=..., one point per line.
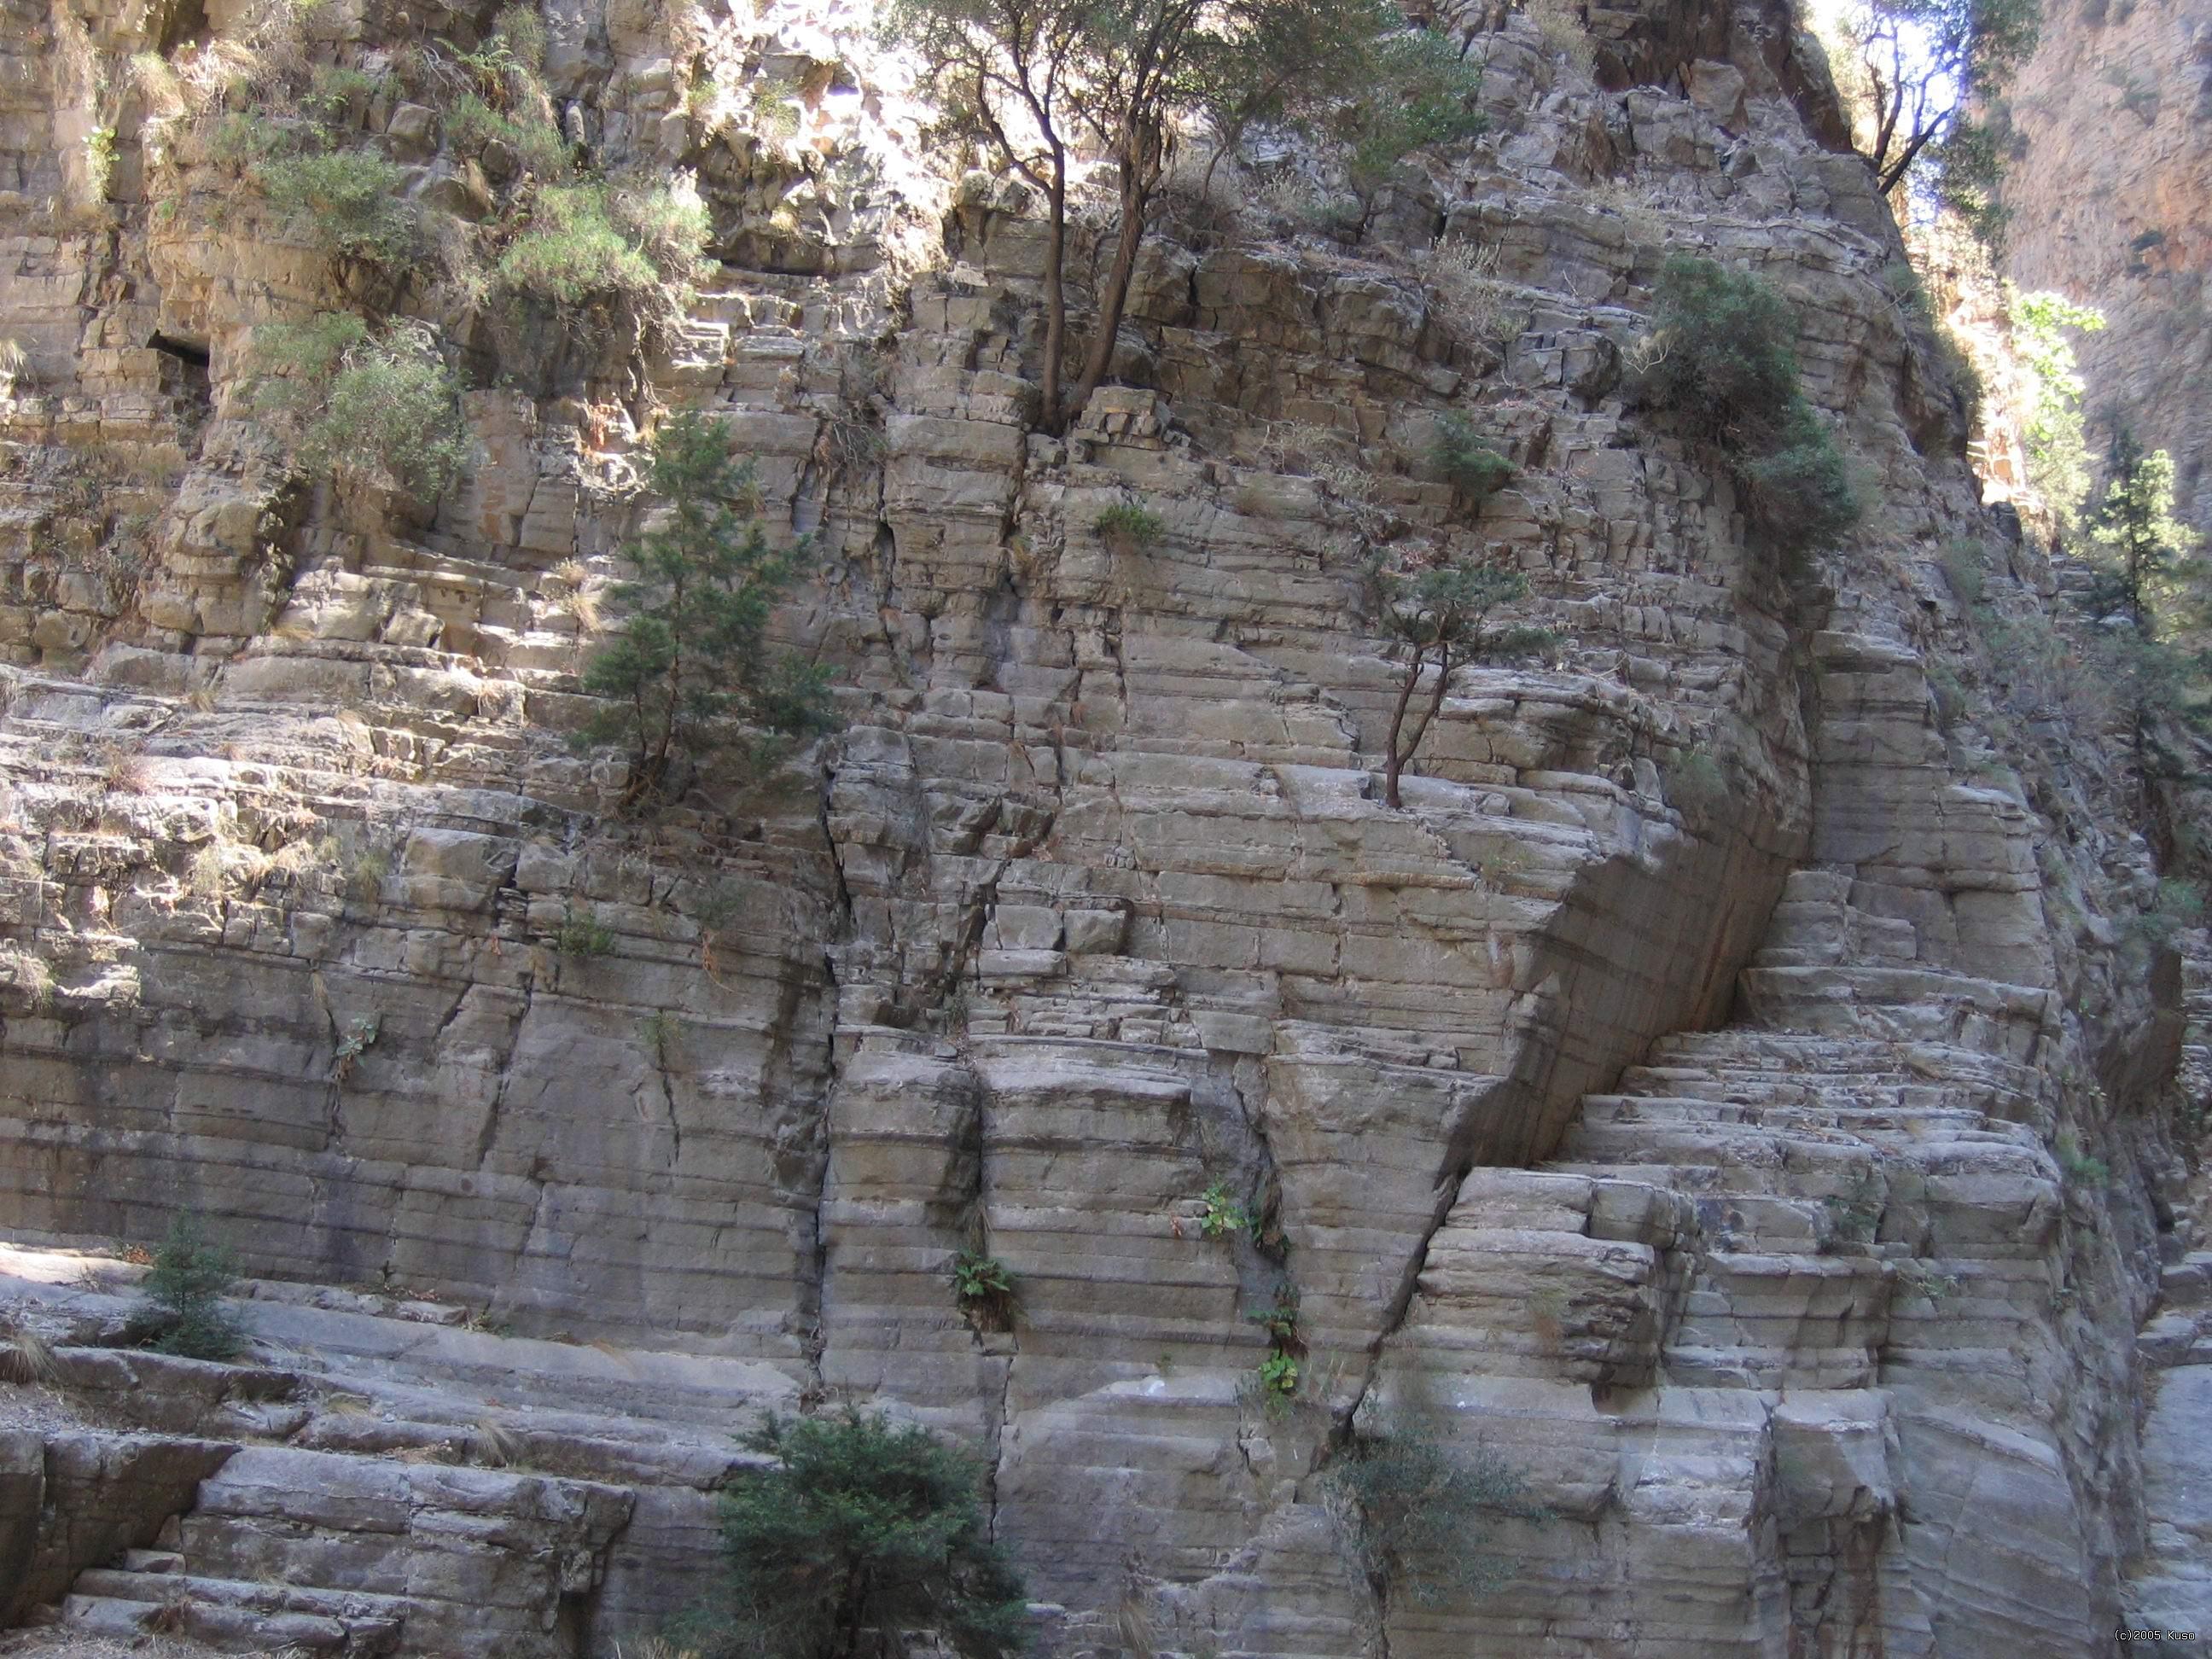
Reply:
x=2108, y=193
x=314, y=925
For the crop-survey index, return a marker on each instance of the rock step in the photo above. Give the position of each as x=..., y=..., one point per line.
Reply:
x=229, y=1616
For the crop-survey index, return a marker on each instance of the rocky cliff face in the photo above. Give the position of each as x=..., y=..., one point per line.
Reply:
x=1721, y=1090
x=2109, y=191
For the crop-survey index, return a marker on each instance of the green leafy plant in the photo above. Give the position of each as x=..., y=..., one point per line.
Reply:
x=858, y=1530
x=359, y=1037
x=2053, y=430
x=657, y=1032
x=181, y=1308
x=1221, y=1215
x=1722, y=357
x=582, y=936
x=1471, y=467
x=98, y=162
x=1279, y=1376
x=983, y=1286
x=349, y=204
x=1281, y=1322
x=1416, y=1513
x=379, y=408
x=1131, y=525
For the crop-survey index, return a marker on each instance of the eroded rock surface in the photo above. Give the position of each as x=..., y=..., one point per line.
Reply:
x=1674, y=1095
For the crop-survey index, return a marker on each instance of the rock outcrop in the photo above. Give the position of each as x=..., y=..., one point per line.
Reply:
x=1721, y=1090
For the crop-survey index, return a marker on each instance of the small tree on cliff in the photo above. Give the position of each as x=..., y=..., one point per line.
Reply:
x=1035, y=79
x=860, y=1529
x=688, y=667
x=1438, y=619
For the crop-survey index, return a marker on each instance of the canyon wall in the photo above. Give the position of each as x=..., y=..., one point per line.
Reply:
x=2110, y=187
x=1732, y=1089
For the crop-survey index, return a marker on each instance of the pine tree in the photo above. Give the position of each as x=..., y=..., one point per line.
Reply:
x=860, y=1529
x=688, y=667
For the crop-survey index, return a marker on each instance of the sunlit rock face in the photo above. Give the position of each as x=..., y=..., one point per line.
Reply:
x=1687, y=1094
x=2111, y=201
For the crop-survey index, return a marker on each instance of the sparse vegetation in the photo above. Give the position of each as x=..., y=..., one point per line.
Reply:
x=1559, y=25
x=689, y=665
x=1416, y=1513
x=984, y=1287
x=2080, y=1167
x=1043, y=79
x=591, y=242
x=1438, y=618
x=1130, y=526
x=1469, y=299
x=582, y=935
x=858, y=1529
x=379, y=408
x=1470, y=466
x=180, y=1309
x=1722, y=357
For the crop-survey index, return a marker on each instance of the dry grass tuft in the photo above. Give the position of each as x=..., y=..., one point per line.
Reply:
x=26, y=1359
x=1559, y=25
x=1470, y=300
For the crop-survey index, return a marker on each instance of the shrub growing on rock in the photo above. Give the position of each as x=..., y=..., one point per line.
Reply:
x=1469, y=465
x=378, y=406
x=180, y=1309
x=688, y=668
x=1415, y=1512
x=348, y=202
x=858, y=1530
x=1722, y=357
x=588, y=242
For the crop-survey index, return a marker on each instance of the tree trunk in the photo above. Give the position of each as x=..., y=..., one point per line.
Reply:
x=1393, y=760
x=1113, y=298
x=1056, y=292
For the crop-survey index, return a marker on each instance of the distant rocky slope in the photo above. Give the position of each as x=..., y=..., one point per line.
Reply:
x=1734, y=1088
x=2111, y=193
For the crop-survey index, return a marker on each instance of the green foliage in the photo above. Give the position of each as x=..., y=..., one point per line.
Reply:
x=2051, y=428
x=858, y=1530
x=1416, y=1513
x=2078, y=1167
x=1439, y=617
x=346, y=203
x=536, y=143
x=1722, y=354
x=2137, y=543
x=1697, y=785
x=1964, y=571
x=2178, y=905
x=1037, y=81
x=689, y=661
x=656, y=1032
x=1125, y=522
x=359, y=1037
x=181, y=1308
x=1221, y=1214
x=582, y=936
x=984, y=1288
x=1279, y=1376
x=1722, y=357
x=1281, y=1322
x=1801, y=489
x=585, y=243
x=1470, y=466
x=379, y=408
x=1422, y=92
